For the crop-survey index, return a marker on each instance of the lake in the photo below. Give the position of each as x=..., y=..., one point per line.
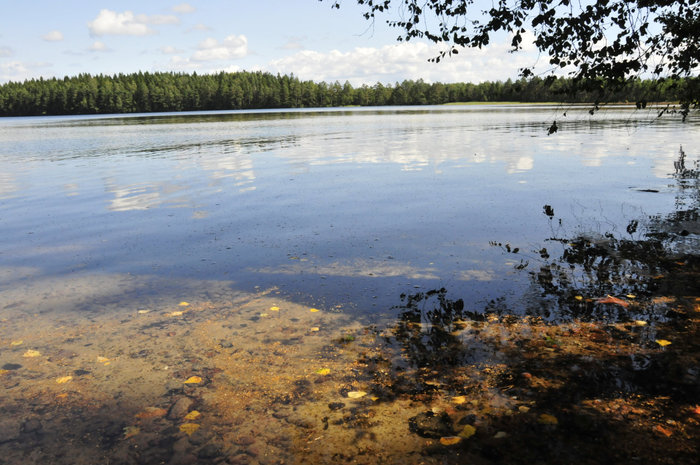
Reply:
x=240, y=264
x=345, y=208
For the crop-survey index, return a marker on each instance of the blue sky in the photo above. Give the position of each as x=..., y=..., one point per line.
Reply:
x=304, y=37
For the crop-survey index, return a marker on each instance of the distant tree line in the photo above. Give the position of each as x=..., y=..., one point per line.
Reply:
x=158, y=92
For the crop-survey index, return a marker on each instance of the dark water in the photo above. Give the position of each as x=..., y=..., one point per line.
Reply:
x=347, y=208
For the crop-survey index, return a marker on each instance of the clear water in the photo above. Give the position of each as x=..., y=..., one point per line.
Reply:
x=343, y=209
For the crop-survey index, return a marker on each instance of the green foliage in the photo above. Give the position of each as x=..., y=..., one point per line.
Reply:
x=164, y=92
x=612, y=40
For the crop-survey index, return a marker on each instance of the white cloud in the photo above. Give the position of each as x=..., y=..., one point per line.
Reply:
x=5, y=52
x=157, y=19
x=110, y=22
x=231, y=47
x=53, y=36
x=183, y=8
x=98, y=46
x=407, y=60
x=182, y=64
x=169, y=50
x=19, y=71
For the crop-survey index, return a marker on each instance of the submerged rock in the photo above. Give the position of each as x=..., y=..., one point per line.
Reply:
x=431, y=425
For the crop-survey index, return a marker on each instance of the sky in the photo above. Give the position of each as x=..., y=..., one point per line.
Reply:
x=307, y=38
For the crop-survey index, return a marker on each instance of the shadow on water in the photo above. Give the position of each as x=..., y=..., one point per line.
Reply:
x=603, y=366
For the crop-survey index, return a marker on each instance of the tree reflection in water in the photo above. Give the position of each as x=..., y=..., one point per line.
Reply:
x=607, y=348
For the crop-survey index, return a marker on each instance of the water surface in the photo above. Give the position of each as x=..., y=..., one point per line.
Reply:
x=337, y=208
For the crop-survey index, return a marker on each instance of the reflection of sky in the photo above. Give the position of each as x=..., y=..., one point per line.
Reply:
x=7, y=184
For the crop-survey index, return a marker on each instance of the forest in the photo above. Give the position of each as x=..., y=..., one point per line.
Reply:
x=167, y=92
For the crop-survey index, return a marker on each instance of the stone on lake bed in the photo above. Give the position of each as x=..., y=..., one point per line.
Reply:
x=431, y=425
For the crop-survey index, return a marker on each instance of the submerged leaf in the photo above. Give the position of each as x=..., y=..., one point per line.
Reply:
x=323, y=371
x=547, y=419
x=640, y=322
x=450, y=440
x=662, y=431
x=193, y=380
x=578, y=297
x=2, y=372
x=32, y=353
x=274, y=309
x=459, y=400
x=63, y=379
x=696, y=410
x=184, y=304
x=314, y=310
x=356, y=394
x=193, y=415
x=131, y=431
x=467, y=432
x=663, y=342
x=16, y=343
x=189, y=428
x=176, y=313
x=613, y=300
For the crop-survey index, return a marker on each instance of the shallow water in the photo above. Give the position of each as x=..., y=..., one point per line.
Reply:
x=266, y=253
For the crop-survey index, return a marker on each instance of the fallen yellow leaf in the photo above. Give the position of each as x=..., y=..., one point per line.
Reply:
x=177, y=313
x=189, y=428
x=631, y=296
x=578, y=297
x=612, y=300
x=663, y=342
x=102, y=359
x=193, y=415
x=450, y=440
x=547, y=419
x=523, y=409
x=467, y=432
x=64, y=379
x=131, y=431
x=2, y=372
x=193, y=380
x=640, y=322
x=662, y=431
x=16, y=343
x=356, y=394
x=274, y=309
x=314, y=310
x=184, y=304
x=32, y=353
x=459, y=400
x=151, y=412
x=323, y=371
x=143, y=312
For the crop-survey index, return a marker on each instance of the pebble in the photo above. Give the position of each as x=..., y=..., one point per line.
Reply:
x=209, y=451
x=180, y=408
x=9, y=430
x=244, y=440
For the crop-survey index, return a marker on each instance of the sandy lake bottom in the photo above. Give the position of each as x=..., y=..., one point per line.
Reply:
x=219, y=376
